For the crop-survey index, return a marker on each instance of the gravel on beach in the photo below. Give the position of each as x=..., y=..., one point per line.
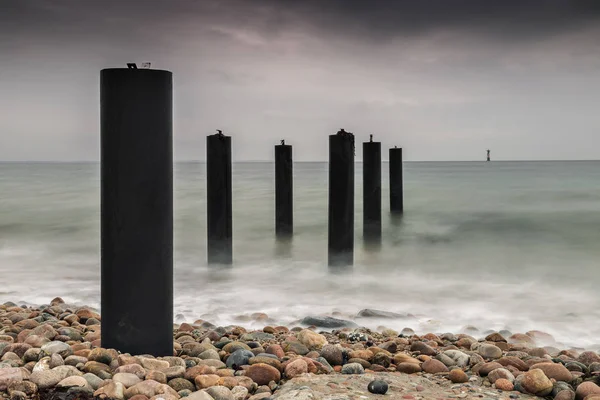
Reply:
x=54, y=352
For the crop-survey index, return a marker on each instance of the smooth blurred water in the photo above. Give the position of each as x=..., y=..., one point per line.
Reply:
x=497, y=245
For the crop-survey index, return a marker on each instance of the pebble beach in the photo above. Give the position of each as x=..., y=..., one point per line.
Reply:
x=54, y=351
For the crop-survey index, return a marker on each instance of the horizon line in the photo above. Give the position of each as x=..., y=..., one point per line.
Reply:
x=300, y=161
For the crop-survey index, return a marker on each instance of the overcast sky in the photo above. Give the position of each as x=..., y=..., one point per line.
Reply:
x=444, y=79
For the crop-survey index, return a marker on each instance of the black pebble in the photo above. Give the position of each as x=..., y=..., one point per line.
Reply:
x=378, y=387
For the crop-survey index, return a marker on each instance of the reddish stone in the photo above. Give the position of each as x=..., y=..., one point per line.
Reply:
x=504, y=384
x=434, y=366
x=262, y=374
x=276, y=350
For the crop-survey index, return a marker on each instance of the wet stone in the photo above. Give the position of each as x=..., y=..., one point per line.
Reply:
x=378, y=387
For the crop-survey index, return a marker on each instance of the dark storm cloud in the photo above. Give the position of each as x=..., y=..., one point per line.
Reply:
x=517, y=20
x=501, y=19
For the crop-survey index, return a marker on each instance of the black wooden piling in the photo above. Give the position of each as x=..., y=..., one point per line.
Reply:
x=341, y=199
x=284, y=219
x=219, y=208
x=396, y=182
x=372, y=191
x=136, y=154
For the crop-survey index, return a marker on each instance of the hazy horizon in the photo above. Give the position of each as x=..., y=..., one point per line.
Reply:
x=445, y=80
x=386, y=161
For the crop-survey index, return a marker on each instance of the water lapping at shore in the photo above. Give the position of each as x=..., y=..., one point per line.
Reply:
x=288, y=292
x=498, y=246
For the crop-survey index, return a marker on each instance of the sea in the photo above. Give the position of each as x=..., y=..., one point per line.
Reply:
x=498, y=245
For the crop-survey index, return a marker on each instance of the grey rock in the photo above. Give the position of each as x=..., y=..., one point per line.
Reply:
x=407, y=332
x=42, y=365
x=258, y=336
x=214, y=363
x=199, y=395
x=446, y=360
x=175, y=361
x=449, y=336
x=47, y=379
x=423, y=348
x=220, y=393
x=296, y=347
x=93, y=380
x=353, y=368
x=33, y=354
x=501, y=373
x=56, y=360
x=179, y=384
x=209, y=354
x=239, y=392
x=73, y=381
x=475, y=359
x=559, y=387
x=378, y=387
x=127, y=379
x=174, y=372
x=325, y=364
x=72, y=333
x=75, y=360
x=238, y=358
x=370, y=313
x=269, y=355
x=328, y=322
x=461, y=359
x=489, y=351
x=56, y=347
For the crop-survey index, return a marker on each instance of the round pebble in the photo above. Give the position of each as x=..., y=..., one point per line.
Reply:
x=58, y=348
x=378, y=387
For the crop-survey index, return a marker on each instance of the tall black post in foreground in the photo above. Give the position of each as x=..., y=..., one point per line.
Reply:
x=372, y=191
x=284, y=217
x=396, y=181
x=219, y=209
x=341, y=199
x=136, y=110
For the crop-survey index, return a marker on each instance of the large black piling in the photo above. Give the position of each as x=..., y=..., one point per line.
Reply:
x=136, y=128
x=219, y=207
x=372, y=191
x=396, y=182
x=341, y=199
x=284, y=184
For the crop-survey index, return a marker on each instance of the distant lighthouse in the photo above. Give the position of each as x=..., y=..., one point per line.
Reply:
x=488, y=155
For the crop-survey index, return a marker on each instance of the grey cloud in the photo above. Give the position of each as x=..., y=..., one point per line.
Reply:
x=380, y=20
x=502, y=20
x=445, y=78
